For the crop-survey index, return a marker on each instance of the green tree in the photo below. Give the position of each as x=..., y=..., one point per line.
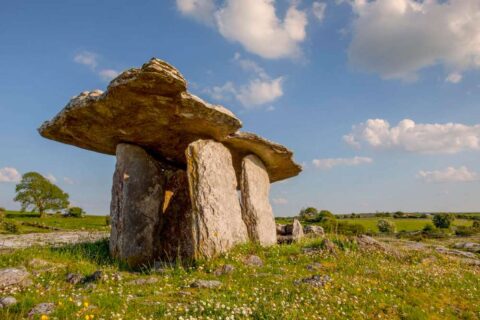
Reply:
x=443, y=220
x=324, y=215
x=308, y=213
x=36, y=192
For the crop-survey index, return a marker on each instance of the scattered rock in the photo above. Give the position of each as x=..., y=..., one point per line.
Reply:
x=143, y=281
x=6, y=302
x=281, y=229
x=468, y=246
x=42, y=308
x=18, y=277
x=253, y=261
x=366, y=243
x=315, y=280
x=209, y=284
x=225, y=269
x=74, y=278
x=455, y=252
x=94, y=277
x=296, y=230
x=314, y=230
x=314, y=266
x=329, y=246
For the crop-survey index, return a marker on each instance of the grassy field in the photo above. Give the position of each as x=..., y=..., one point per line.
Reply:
x=26, y=222
x=364, y=285
x=402, y=224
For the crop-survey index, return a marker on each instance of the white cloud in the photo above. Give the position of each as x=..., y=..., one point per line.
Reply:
x=329, y=163
x=410, y=136
x=9, y=174
x=454, y=77
x=201, y=10
x=86, y=58
x=108, y=74
x=280, y=201
x=68, y=180
x=260, y=90
x=90, y=60
x=50, y=177
x=450, y=174
x=396, y=38
x=253, y=23
x=318, y=9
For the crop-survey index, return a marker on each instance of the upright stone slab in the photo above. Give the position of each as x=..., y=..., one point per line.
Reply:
x=256, y=209
x=137, y=198
x=176, y=241
x=217, y=216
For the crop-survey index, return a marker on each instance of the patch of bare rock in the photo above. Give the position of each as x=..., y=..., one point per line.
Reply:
x=315, y=280
x=14, y=277
x=54, y=239
x=45, y=308
x=253, y=261
x=225, y=269
x=205, y=284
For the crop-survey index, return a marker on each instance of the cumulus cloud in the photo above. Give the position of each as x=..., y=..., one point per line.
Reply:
x=329, y=163
x=412, y=137
x=450, y=174
x=9, y=174
x=259, y=90
x=396, y=38
x=254, y=24
x=90, y=60
x=318, y=9
x=280, y=201
x=201, y=10
x=86, y=58
x=454, y=77
x=108, y=74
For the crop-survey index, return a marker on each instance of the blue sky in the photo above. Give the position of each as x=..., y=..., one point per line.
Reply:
x=379, y=100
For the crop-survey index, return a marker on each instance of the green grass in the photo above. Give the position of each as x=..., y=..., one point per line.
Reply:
x=88, y=222
x=402, y=224
x=364, y=286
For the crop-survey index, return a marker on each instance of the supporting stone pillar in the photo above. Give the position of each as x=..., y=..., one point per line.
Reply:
x=137, y=198
x=217, y=217
x=256, y=209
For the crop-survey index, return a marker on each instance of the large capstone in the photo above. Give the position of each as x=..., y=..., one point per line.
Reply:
x=256, y=209
x=213, y=189
x=136, y=209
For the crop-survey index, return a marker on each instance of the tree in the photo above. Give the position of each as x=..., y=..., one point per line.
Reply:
x=36, y=192
x=308, y=213
x=386, y=226
x=324, y=215
x=443, y=220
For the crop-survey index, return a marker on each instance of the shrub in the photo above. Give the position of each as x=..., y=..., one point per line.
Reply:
x=75, y=212
x=343, y=227
x=476, y=224
x=308, y=214
x=429, y=228
x=443, y=220
x=386, y=226
x=464, y=231
x=11, y=227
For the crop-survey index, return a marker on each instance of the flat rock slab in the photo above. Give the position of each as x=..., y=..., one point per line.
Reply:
x=55, y=239
x=149, y=107
x=277, y=159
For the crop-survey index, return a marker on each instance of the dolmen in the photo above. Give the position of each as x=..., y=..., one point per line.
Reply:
x=188, y=184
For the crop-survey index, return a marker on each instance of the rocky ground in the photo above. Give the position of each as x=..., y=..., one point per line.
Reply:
x=317, y=278
x=49, y=239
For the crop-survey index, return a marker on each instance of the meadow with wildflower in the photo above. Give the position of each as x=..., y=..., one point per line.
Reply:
x=362, y=285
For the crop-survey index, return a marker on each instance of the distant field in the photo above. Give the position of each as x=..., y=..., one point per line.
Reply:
x=402, y=224
x=87, y=223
